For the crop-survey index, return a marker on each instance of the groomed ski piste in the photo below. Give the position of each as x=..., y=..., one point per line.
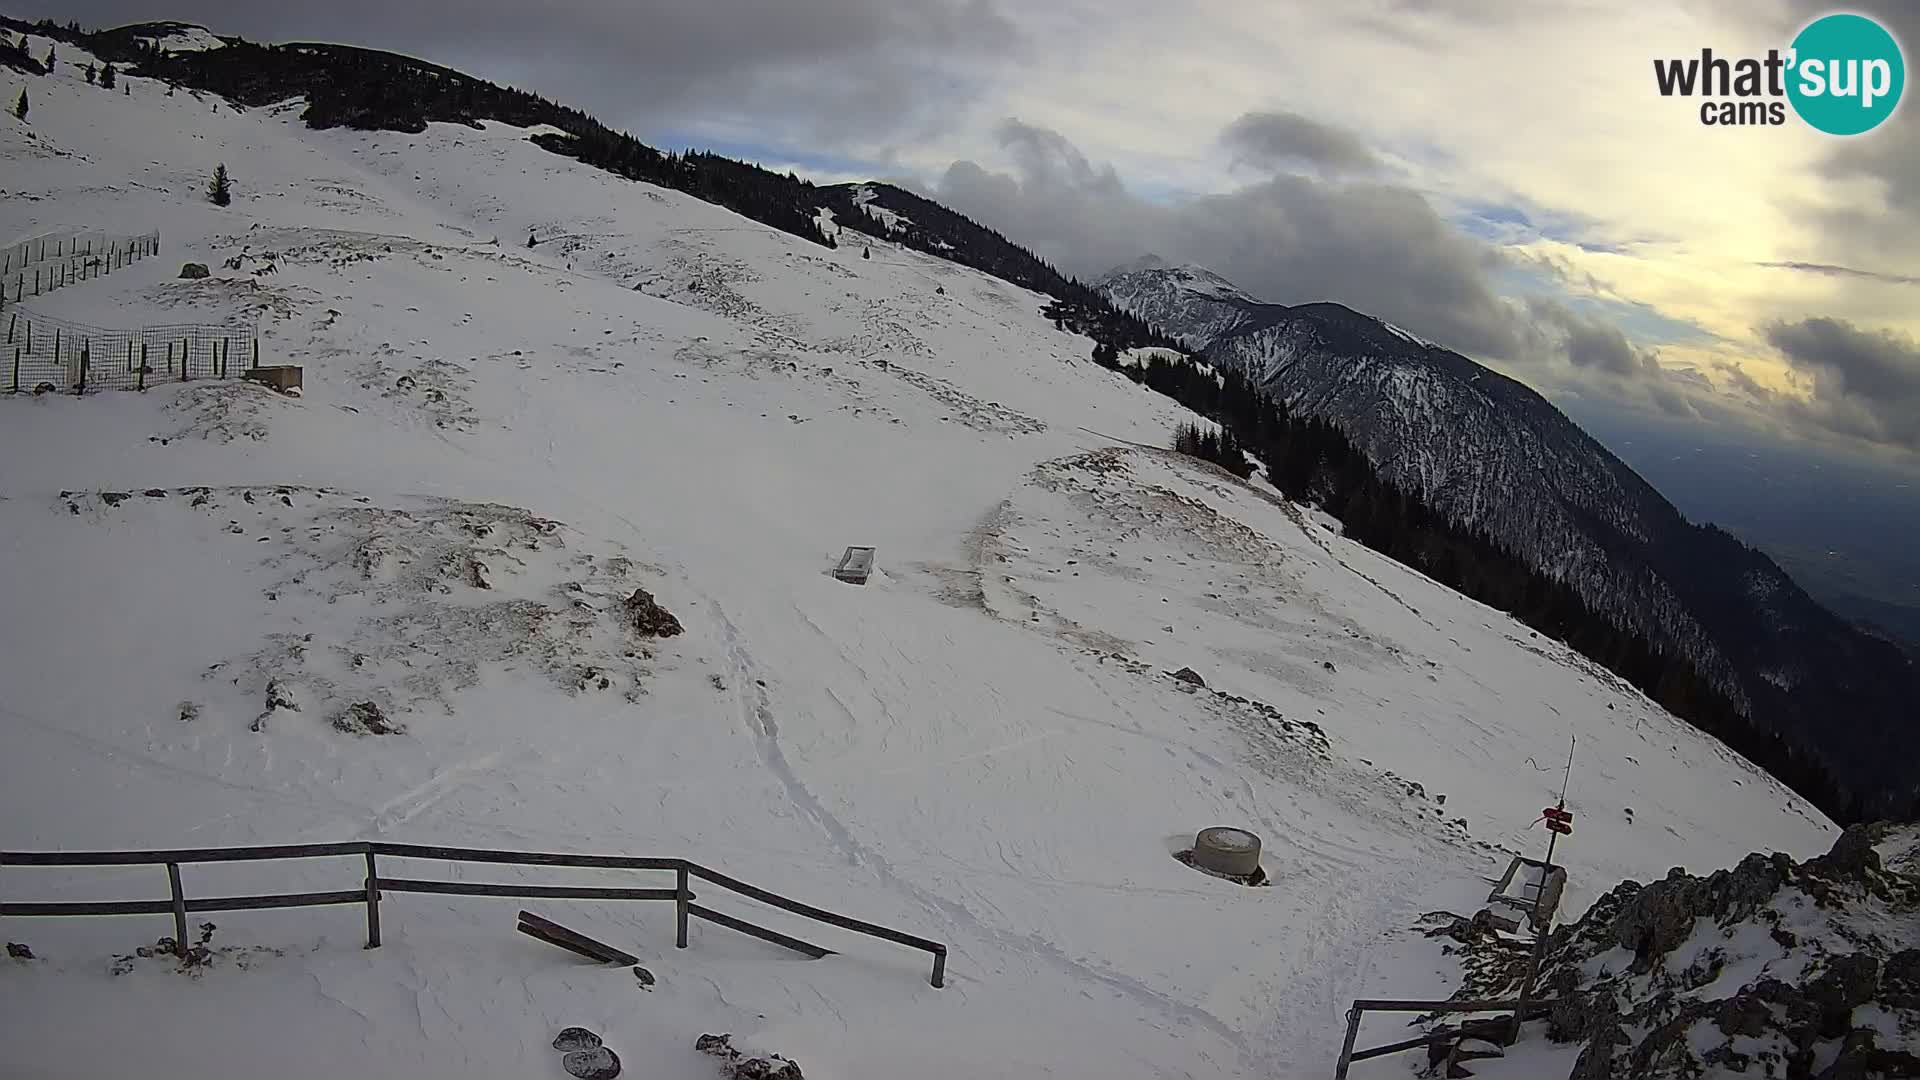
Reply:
x=983, y=745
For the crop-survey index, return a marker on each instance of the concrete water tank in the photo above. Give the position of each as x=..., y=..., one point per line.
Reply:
x=1227, y=851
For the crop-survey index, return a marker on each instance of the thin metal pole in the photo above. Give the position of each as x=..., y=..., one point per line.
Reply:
x=939, y=969
x=373, y=903
x=179, y=911
x=1346, y=1051
x=680, y=897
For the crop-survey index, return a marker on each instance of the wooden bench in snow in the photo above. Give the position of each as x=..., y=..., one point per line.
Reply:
x=855, y=566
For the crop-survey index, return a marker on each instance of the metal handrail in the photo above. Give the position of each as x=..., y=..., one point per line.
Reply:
x=374, y=885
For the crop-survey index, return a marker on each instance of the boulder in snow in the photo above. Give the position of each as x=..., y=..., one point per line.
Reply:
x=647, y=617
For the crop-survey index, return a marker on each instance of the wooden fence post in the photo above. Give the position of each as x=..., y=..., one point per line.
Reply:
x=86, y=359
x=16, y=369
x=681, y=896
x=373, y=903
x=140, y=376
x=179, y=911
x=1346, y=1052
x=256, y=352
x=940, y=968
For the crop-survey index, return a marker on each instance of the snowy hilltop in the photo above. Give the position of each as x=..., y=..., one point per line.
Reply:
x=540, y=557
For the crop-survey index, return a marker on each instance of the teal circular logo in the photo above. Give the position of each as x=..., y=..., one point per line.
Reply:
x=1846, y=74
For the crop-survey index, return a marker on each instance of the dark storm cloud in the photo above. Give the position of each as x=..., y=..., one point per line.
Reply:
x=1377, y=247
x=821, y=66
x=1605, y=348
x=1866, y=382
x=1275, y=140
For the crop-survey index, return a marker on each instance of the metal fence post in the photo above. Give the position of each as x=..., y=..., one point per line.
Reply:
x=680, y=899
x=179, y=911
x=373, y=903
x=940, y=968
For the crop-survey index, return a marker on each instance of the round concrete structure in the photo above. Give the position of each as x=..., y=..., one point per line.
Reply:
x=1227, y=851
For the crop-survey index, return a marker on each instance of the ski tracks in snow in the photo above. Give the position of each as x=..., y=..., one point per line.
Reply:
x=758, y=716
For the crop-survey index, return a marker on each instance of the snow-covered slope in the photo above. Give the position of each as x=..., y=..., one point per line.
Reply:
x=498, y=444
x=1493, y=455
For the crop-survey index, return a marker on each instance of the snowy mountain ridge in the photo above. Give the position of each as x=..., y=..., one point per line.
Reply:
x=497, y=446
x=1493, y=455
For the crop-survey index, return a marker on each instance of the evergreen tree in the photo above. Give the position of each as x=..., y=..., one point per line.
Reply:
x=107, y=77
x=20, y=106
x=220, y=189
x=93, y=76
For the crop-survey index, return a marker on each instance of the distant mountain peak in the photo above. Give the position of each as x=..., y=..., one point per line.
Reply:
x=1190, y=277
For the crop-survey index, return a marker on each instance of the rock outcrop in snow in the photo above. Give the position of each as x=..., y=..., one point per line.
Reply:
x=1772, y=968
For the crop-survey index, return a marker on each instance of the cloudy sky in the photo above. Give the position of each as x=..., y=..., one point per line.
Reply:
x=1500, y=176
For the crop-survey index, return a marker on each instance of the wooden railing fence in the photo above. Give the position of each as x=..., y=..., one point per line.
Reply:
x=373, y=887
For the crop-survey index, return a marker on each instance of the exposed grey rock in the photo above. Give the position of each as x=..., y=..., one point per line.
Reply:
x=647, y=617
x=1694, y=1020
x=575, y=1039
x=365, y=718
x=1188, y=675
x=17, y=951
x=194, y=271
x=599, y=1063
x=1900, y=980
x=1848, y=983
